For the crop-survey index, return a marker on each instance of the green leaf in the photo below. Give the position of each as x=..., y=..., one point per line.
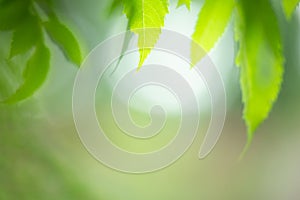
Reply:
x=65, y=39
x=212, y=21
x=260, y=58
x=34, y=75
x=187, y=3
x=25, y=36
x=12, y=13
x=289, y=6
x=146, y=17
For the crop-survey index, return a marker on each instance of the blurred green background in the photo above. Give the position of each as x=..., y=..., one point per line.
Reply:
x=41, y=156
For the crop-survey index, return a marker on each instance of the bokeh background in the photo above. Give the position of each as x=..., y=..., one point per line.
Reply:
x=41, y=156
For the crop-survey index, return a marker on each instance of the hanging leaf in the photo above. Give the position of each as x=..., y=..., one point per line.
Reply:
x=24, y=18
x=12, y=13
x=212, y=21
x=65, y=39
x=146, y=17
x=289, y=6
x=34, y=75
x=187, y=3
x=25, y=36
x=260, y=59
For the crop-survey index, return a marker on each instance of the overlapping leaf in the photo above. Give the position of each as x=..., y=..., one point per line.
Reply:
x=23, y=18
x=260, y=60
x=260, y=51
x=146, y=17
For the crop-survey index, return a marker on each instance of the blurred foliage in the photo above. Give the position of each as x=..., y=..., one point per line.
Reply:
x=27, y=19
x=29, y=170
x=260, y=54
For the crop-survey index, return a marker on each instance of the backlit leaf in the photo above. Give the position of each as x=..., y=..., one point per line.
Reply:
x=260, y=59
x=146, y=17
x=212, y=21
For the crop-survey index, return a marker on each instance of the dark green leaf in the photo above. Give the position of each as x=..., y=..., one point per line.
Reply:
x=34, y=75
x=65, y=39
x=12, y=13
x=25, y=36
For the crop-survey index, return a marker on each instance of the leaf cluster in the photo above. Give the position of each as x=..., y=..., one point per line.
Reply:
x=260, y=55
x=30, y=21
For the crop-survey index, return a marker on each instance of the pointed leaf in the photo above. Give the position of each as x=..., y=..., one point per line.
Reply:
x=146, y=17
x=34, y=74
x=65, y=39
x=289, y=6
x=212, y=21
x=25, y=36
x=187, y=3
x=260, y=59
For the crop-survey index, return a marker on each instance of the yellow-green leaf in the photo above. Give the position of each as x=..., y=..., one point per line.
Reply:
x=34, y=75
x=289, y=6
x=146, y=17
x=187, y=3
x=65, y=39
x=260, y=59
x=25, y=36
x=212, y=21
